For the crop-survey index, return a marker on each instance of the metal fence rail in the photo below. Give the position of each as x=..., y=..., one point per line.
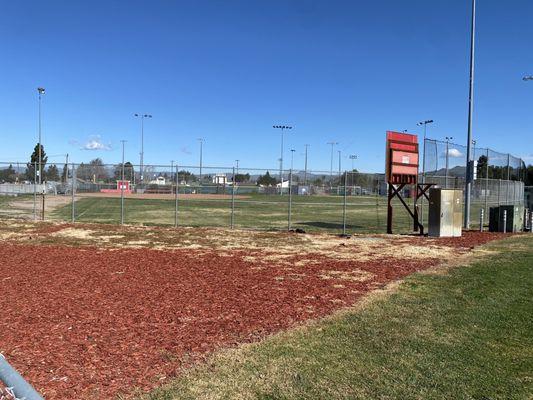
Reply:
x=15, y=385
x=249, y=198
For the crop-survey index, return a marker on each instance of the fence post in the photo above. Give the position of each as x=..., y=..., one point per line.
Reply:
x=481, y=212
x=290, y=201
x=487, y=182
x=423, y=181
x=42, y=204
x=12, y=379
x=530, y=221
x=499, y=191
x=344, y=203
x=233, y=200
x=504, y=221
x=176, y=198
x=73, y=194
x=35, y=192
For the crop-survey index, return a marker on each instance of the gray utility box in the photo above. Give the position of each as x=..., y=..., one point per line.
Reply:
x=445, y=212
x=514, y=215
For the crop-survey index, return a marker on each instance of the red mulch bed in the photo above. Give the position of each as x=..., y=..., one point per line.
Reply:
x=88, y=323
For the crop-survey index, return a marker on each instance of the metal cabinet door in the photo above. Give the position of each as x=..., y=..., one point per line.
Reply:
x=446, y=212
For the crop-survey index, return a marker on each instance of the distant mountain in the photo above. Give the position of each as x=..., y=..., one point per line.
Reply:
x=457, y=171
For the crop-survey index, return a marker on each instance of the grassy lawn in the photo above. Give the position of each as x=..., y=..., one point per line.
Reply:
x=311, y=213
x=464, y=334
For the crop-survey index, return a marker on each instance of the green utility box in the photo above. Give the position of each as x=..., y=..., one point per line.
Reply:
x=515, y=218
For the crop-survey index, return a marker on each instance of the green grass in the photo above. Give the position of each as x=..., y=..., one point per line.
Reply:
x=311, y=213
x=466, y=334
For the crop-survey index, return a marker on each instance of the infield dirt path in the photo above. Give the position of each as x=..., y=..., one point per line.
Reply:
x=88, y=322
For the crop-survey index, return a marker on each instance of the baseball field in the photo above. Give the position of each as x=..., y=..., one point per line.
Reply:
x=364, y=214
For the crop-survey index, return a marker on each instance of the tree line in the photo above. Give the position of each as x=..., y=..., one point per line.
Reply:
x=96, y=171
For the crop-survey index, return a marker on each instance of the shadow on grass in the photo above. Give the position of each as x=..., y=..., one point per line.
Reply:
x=335, y=225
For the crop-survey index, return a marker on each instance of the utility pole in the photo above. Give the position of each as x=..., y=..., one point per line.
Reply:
x=292, y=158
x=353, y=157
x=41, y=91
x=237, y=162
x=305, y=170
x=141, y=168
x=332, y=144
x=66, y=169
x=469, y=175
x=201, y=140
x=282, y=128
x=339, y=163
x=122, y=187
x=425, y=123
x=171, y=170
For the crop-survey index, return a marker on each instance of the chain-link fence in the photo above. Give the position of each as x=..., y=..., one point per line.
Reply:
x=447, y=159
x=497, y=176
x=206, y=196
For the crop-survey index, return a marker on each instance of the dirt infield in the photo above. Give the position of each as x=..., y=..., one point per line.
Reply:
x=164, y=196
x=91, y=322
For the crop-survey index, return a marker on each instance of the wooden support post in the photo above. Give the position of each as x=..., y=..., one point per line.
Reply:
x=389, y=208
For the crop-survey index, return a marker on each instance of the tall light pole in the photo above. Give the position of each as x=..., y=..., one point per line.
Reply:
x=141, y=167
x=237, y=165
x=41, y=91
x=469, y=175
x=339, y=163
x=332, y=144
x=353, y=157
x=292, y=158
x=282, y=128
x=122, y=186
x=424, y=123
x=305, y=167
x=201, y=140
x=172, y=170
x=448, y=138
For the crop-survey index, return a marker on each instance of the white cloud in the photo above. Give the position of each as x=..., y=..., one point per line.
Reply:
x=454, y=153
x=95, y=143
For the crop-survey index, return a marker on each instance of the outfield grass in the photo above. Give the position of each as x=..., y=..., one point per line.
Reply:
x=465, y=334
x=311, y=213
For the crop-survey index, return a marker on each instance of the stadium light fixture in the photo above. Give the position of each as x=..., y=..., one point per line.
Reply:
x=41, y=91
x=332, y=144
x=282, y=128
x=141, y=168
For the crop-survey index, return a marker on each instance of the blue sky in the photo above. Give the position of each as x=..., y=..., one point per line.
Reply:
x=228, y=70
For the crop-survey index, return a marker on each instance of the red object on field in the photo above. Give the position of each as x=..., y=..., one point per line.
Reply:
x=120, y=185
x=401, y=158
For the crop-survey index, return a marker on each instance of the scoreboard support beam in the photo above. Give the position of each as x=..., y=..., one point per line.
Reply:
x=397, y=192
